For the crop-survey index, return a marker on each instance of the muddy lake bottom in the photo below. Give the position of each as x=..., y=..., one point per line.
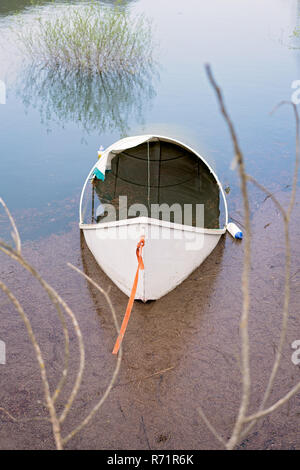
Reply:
x=180, y=352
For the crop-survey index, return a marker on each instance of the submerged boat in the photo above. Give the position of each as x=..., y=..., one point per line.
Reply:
x=157, y=194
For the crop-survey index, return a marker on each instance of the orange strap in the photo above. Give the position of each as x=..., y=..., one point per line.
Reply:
x=139, y=250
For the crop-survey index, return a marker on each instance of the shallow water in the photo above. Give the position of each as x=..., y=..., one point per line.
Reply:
x=182, y=350
x=50, y=132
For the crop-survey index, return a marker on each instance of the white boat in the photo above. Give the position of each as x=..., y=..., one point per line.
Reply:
x=116, y=211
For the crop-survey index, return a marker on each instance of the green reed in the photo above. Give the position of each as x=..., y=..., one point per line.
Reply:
x=92, y=37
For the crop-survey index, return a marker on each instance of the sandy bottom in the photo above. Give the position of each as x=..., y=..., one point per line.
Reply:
x=180, y=352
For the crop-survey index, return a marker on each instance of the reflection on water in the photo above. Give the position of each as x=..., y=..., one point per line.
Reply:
x=101, y=103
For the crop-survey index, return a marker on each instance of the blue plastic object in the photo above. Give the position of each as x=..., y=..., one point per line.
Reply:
x=239, y=235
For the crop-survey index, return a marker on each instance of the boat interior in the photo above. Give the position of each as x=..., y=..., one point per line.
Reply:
x=152, y=174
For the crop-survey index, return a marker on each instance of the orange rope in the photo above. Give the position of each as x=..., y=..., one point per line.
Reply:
x=139, y=250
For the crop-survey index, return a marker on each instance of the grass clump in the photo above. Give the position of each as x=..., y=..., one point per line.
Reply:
x=92, y=38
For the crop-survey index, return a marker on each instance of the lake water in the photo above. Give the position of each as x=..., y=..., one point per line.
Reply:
x=52, y=126
x=182, y=350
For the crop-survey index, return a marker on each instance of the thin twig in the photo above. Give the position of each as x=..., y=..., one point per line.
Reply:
x=9, y=251
x=286, y=214
x=57, y=300
x=16, y=236
x=242, y=419
x=49, y=401
x=276, y=405
x=118, y=364
x=157, y=373
x=211, y=427
x=246, y=379
x=24, y=420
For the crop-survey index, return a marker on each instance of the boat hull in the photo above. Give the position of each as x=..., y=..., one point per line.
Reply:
x=171, y=253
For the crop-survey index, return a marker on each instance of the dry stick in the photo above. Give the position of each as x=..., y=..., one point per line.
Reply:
x=286, y=218
x=52, y=298
x=16, y=235
x=276, y=405
x=74, y=391
x=103, y=292
x=211, y=427
x=286, y=303
x=24, y=420
x=117, y=368
x=9, y=251
x=270, y=195
x=157, y=373
x=297, y=162
x=49, y=401
x=246, y=379
x=144, y=378
x=285, y=312
x=287, y=265
x=57, y=300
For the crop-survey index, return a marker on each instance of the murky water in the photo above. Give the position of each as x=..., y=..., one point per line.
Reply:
x=181, y=350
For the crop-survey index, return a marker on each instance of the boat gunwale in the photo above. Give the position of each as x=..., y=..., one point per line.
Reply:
x=151, y=221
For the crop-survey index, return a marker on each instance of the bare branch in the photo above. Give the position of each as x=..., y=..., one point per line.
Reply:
x=57, y=300
x=238, y=430
x=15, y=234
x=24, y=420
x=118, y=364
x=9, y=251
x=211, y=427
x=269, y=194
x=49, y=401
x=244, y=334
x=276, y=405
x=286, y=219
